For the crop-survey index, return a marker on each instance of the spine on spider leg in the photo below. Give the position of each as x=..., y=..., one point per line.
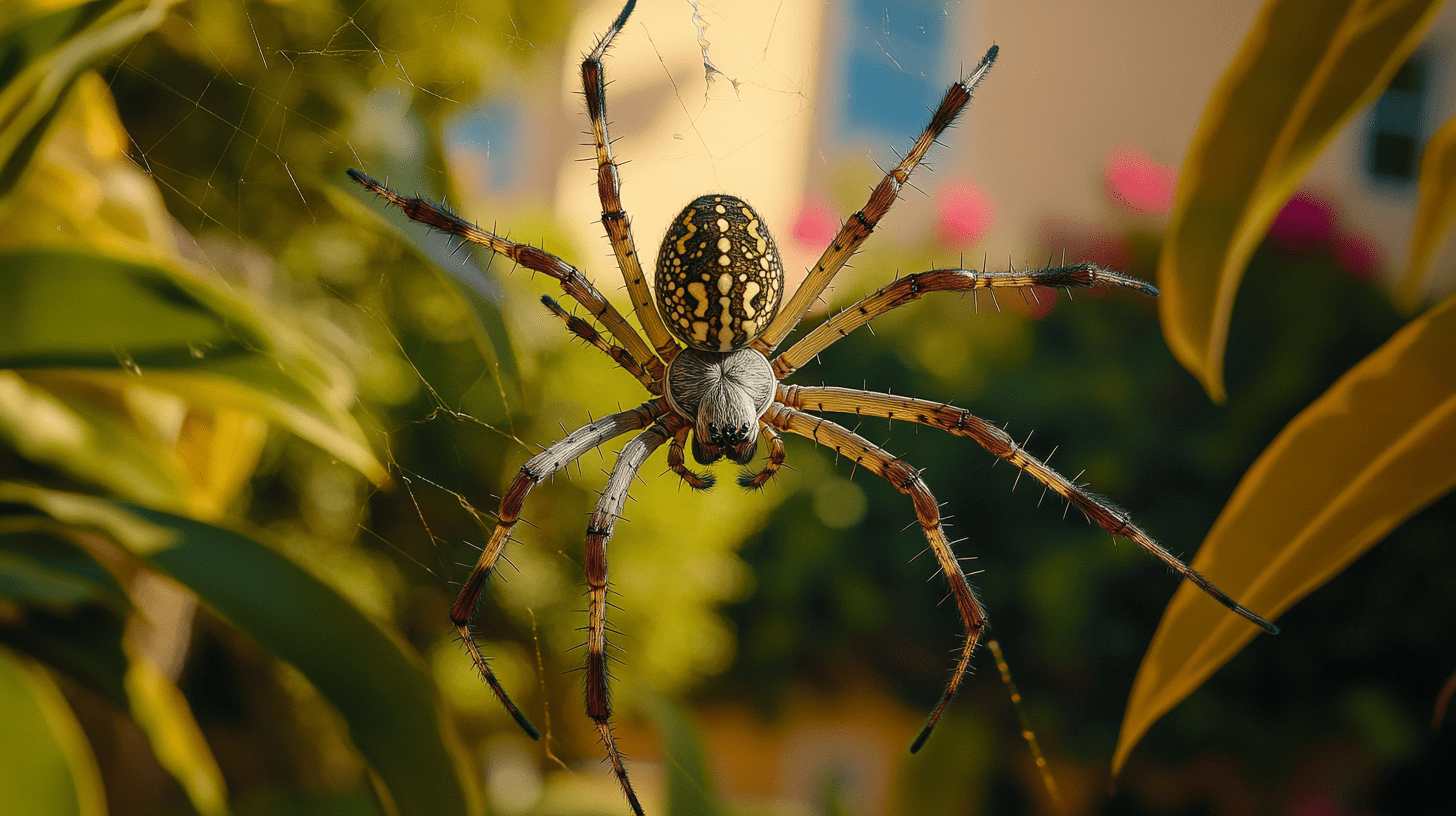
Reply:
x=586, y=331
x=535, y=259
x=905, y=478
x=599, y=532
x=462, y=614
x=998, y=443
x=541, y=466
x=859, y=226
x=913, y=287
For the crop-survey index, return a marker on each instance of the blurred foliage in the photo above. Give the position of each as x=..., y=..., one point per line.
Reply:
x=1381, y=443
x=247, y=432
x=1305, y=68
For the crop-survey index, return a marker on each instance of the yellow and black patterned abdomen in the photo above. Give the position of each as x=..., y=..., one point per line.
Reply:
x=719, y=278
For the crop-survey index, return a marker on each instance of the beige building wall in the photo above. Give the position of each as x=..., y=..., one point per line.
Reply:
x=1075, y=82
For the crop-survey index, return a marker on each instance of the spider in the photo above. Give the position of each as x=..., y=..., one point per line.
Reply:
x=716, y=385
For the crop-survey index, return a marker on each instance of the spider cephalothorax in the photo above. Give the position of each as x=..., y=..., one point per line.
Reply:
x=719, y=285
x=724, y=395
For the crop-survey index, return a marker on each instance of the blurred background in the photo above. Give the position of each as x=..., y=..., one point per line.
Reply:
x=781, y=648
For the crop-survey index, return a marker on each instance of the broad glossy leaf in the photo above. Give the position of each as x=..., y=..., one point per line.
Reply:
x=1303, y=69
x=94, y=322
x=86, y=443
x=380, y=687
x=46, y=766
x=1362, y=458
x=1436, y=211
x=29, y=101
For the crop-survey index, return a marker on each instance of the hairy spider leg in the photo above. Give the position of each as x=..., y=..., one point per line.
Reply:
x=859, y=226
x=538, y=468
x=906, y=479
x=959, y=422
x=586, y=331
x=572, y=281
x=598, y=533
x=609, y=189
x=677, y=463
x=913, y=287
x=748, y=480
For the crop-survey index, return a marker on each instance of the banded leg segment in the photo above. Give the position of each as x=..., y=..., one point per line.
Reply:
x=861, y=224
x=539, y=467
x=609, y=189
x=598, y=533
x=905, y=479
x=913, y=287
x=572, y=281
x=586, y=331
x=960, y=422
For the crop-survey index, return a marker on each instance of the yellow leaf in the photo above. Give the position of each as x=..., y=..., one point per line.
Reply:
x=1362, y=458
x=1304, y=68
x=161, y=711
x=1436, y=210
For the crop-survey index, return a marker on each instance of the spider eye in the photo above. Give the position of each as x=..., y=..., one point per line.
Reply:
x=719, y=278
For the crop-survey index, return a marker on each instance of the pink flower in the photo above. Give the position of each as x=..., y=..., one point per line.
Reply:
x=1306, y=223
x=1138, y=182
x=964, y=213
x=816, y=225
x=1357, y=255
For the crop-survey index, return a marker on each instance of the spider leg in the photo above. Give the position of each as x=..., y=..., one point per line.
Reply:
x=748, y=480
x=598, y=533
x=861, y=224
x=913, y=287
x=609, y=189
x=539, y=467
x=959, y=422
x=678, y=464
x=586, y=331
x=905, y=479
x=572, y=281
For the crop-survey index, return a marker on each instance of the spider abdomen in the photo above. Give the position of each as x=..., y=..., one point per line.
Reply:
x=719, y=278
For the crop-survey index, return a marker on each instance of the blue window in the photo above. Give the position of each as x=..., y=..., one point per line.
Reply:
x=894, y=67
x=1395, y=126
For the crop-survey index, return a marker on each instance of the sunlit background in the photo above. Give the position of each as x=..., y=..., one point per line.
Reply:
x=788, y=640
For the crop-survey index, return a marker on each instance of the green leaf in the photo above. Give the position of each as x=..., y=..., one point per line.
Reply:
x=689, y=785
x=30, y=100
x=111, y=323
x=1375, y=448
x=1436, y=210
x=1304, y=68
x=48, y=570
x=91, y=445
x=45, y=569
x=379, y=685
x=46, y=766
